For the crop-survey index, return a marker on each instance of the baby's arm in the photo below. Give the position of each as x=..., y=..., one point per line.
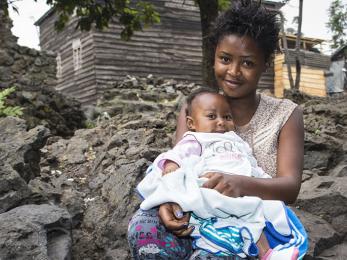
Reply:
x=171, y=213
x=172, y=159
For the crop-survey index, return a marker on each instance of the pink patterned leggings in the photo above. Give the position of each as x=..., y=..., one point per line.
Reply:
x=149, y=239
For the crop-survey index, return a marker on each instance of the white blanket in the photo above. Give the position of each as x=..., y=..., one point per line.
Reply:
x=184, y=188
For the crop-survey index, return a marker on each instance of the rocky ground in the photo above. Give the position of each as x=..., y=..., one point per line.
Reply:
x=72, y=198
x=42, y=105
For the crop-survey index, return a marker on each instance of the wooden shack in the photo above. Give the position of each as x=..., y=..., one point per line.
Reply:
x=336, y=77
x=90, y=62
x=313, y=68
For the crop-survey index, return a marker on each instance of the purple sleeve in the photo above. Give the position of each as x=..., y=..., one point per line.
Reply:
x=186, y=147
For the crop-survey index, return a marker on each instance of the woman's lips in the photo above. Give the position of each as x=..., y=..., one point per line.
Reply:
x=233, y=83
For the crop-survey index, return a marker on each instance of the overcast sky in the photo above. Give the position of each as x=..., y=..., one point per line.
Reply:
x=315, y=17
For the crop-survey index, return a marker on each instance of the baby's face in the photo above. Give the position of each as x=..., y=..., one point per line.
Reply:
x=210, y=114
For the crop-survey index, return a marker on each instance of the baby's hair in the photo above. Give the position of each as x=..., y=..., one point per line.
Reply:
x=247, y=18
x=196, y=93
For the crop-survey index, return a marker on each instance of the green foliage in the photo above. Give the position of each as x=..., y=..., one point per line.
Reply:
x=317, y=131
x=223, y=4
x=132, y=16
x=90, y=124
x=337, y=22
x=8, y=110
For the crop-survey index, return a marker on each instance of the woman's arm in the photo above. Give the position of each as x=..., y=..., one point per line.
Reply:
x=286, y=185
x=290, y=156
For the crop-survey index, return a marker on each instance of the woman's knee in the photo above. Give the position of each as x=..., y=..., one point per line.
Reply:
x=148, y=238
x=142, y=223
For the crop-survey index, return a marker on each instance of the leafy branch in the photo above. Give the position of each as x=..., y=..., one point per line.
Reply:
x=6, y=110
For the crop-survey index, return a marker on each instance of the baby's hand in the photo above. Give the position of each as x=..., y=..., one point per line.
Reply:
x=170, y=166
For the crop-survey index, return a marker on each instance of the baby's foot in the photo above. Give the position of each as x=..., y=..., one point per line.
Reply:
x=285, y=254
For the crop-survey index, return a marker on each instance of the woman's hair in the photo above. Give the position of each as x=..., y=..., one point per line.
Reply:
x=247, y=18
x=196, y=93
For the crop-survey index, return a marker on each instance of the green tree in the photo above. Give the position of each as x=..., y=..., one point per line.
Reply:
x=337, y=23
x=286, y=52
x=298, y=20
x=132, y=15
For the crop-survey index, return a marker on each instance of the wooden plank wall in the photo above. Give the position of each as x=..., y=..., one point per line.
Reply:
x=78, y=84
x=266, y=82
x=278, y=78
x=310, y=59
x=171, y=49
x=312, y=79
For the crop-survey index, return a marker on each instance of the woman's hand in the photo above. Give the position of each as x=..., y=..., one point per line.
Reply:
x=171, y=215
x=228, y=185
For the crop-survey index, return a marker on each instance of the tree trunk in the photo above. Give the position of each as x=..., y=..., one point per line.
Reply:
x=4, y=7
x=297, y=48
x=208, y=14
x=286, y=53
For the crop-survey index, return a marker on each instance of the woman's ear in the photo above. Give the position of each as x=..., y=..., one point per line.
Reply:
x=190, y=123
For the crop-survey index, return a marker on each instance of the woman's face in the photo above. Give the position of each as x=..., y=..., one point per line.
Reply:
x=238, y=65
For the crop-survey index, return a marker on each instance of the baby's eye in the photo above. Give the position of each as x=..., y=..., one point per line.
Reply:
x=211, y=116
x=228, y=117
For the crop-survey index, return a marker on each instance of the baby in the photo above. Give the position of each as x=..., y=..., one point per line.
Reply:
x=223, y=225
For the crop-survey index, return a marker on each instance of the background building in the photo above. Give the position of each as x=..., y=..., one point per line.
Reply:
x=88, y=63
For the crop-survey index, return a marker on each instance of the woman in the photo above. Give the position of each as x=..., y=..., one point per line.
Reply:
x=244, y=39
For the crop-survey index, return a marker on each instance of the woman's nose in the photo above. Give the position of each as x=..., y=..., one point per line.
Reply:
x=234, y=69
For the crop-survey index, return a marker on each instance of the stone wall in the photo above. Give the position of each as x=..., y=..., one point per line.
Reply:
x=33, y=73
x=21, y=65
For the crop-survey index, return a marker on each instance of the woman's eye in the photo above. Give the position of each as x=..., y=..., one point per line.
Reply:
x=225, y=59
